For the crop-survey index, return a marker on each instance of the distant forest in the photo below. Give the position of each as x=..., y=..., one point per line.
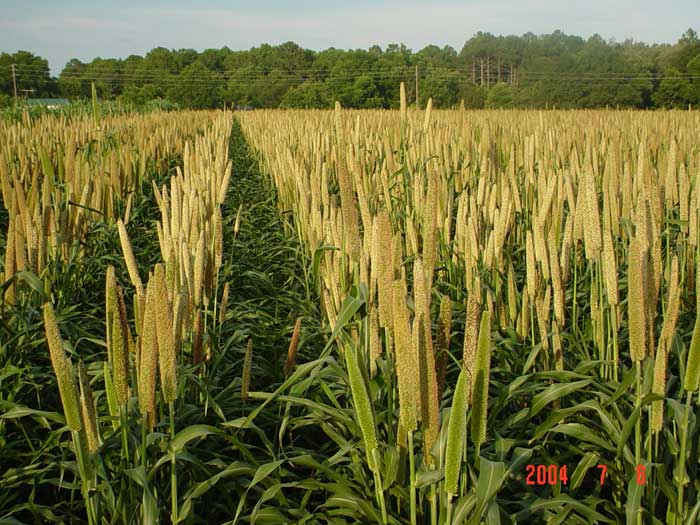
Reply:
x=528, y=71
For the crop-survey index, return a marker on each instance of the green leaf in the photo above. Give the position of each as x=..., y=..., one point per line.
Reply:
x=111, y=397
x=390, y=466
x=269, y=493
x=34, y=283
x=493, y=516
x=585, y=508
x=520, y=456
x=583, y=433
x=270, y=516
x=237, y=469
x=149, y=514
x=344, y=498
x=264, y=471
x=553, y=392
x=463, y=508
x=348, y=309
x=188, y=434
x=694, y=513
x=588, y=460
x=623, y=387
x=41, y=416
x=634, y=495
x=491, y=476
x=428, y=477
x=532, y=357
x=627, y=428
x=310, y=368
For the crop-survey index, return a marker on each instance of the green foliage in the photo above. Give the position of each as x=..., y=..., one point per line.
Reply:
x=197, y=87
x=528, y=71
x=673, y=91
x=308, y=95
x=501, y=96
x=32, y=73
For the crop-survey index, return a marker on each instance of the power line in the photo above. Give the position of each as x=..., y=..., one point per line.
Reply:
x=387, y=73
x=400, y=72
x=321, y=71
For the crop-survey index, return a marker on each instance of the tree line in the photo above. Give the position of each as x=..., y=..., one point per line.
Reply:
x=528, y=71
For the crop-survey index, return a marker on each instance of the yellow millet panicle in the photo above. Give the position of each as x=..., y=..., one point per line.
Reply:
x=672, y=306
x=482, y=372
x=149, y=357
x=120, y=349
x=10, y=261
x=87, y=405
x=665, y=340
x=406, y=360
x=428, y=111
x=197, y=337
x=531, y=269
x=636, y=299
x=224, y=303
x=199, y=270
x=63, y=369
x=512, y=295
x=247, y=365
x=557, y=346
x=375, y=343
x=385, y=274
x=659, y=388
x=430, y=228
x=591, y=217
x=558, y=291
x=610, y=268
x=218, y=239
x=166, y=338
x=131, y=264
x=348, y=202
x=110, y=306
x=426, y=356
x=442, y=342
x=471, y=334
x=293, y=347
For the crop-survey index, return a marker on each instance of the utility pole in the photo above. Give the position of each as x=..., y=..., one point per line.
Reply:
x=499, y=70
x=417, y=86
x=474, y=71
x=14, y=82
x=481, y=72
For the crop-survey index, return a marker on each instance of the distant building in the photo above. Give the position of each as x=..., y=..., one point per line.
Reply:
x=51, y=103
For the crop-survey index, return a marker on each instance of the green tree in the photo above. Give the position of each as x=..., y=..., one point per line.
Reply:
x=197, y=87
x=72, y=81
x=500, y=96
x=674, y=91
x=31, y=73
x=443, y=86
x=307, y=95
x=474, y=96
x=693, y=69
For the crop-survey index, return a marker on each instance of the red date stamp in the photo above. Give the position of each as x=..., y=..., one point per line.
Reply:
x=546, y=474
x=553, y=474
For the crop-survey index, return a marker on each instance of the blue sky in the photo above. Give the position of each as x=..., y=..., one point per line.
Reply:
x=60, y=30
